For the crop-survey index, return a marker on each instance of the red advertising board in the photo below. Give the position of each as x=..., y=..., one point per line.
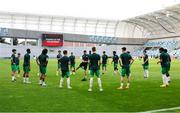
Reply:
x=52, y=40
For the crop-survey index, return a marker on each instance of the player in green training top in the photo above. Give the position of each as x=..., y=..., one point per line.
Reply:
x=94, y=62
x=104, y=62
x=168, y=65
x=164, y=59
x=26, y=66
x=145, y=64
x=59, y=56
x=13, y=65
x=125, y=62
x=115, y=60
x=17, y=64
x=72, y=63
x=84, y=65
x=88, y=63
x=42, y=61
x=65, y=61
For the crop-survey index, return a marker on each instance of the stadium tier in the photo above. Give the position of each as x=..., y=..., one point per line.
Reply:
x=152, y=47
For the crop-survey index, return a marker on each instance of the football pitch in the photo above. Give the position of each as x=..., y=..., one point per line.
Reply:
x=143, y=95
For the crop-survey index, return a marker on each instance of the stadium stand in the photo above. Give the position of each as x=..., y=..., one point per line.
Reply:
x=152, y=47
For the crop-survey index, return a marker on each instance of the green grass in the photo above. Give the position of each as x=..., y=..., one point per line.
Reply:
x=143, y=95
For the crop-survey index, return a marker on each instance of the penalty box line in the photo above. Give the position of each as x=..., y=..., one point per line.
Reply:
x=161, y=110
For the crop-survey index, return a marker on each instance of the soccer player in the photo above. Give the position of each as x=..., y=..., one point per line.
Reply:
x=115, y=60
x=90, y=53
x=125, y=62
x=168, y=65
x=104, y=62
x=26, y=67
x=84, y=65
x=129, y=62
x=17, y=64
x=59, y=56
x=88, y=63
x=164, y=67
x=13, y=65
x=72, y=63
x=145, y=64
x=65, y=70
x=95, y=62
x=42, y=61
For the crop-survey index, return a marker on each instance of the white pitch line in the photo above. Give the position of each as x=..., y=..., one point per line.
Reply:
x=161, y=110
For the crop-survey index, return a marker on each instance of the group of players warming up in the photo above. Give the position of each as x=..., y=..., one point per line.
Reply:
x=91, y=61
x=42, y=62
x=164, y=60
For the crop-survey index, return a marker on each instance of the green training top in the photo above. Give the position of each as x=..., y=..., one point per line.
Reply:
x=164, y=59
x=13, y=59
x=85, y=57
x=125, y=58
x=43, y=59
x=104, y=59
x=64, y=63
x=72, y=59
x=26, y=60
x=115, y=58
x=146, y=58
x=94, y=61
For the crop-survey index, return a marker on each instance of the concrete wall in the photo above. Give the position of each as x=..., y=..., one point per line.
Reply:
x=115, y=45
x=76, y=37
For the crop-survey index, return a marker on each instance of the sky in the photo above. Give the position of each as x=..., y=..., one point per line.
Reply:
x=99, y=9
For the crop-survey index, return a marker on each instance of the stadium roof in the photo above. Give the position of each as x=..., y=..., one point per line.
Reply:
x=162, y=23
x=98, y=9
x=156, y=24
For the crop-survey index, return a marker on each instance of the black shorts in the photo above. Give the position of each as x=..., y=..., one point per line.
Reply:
x=84, y=65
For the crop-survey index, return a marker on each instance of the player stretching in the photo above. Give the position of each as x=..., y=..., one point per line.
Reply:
x=72, y=63
x=95, y=69
x=59, y=56
x=164, y=67
x=104, y=62
x=84, y=65
x=17, y=64
x=145, y=64
x=26, y=66
x=168, y=65
x=65, y=70
x=13, y=65
x=125, y=63
x=42, y=61
x=115, y=60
